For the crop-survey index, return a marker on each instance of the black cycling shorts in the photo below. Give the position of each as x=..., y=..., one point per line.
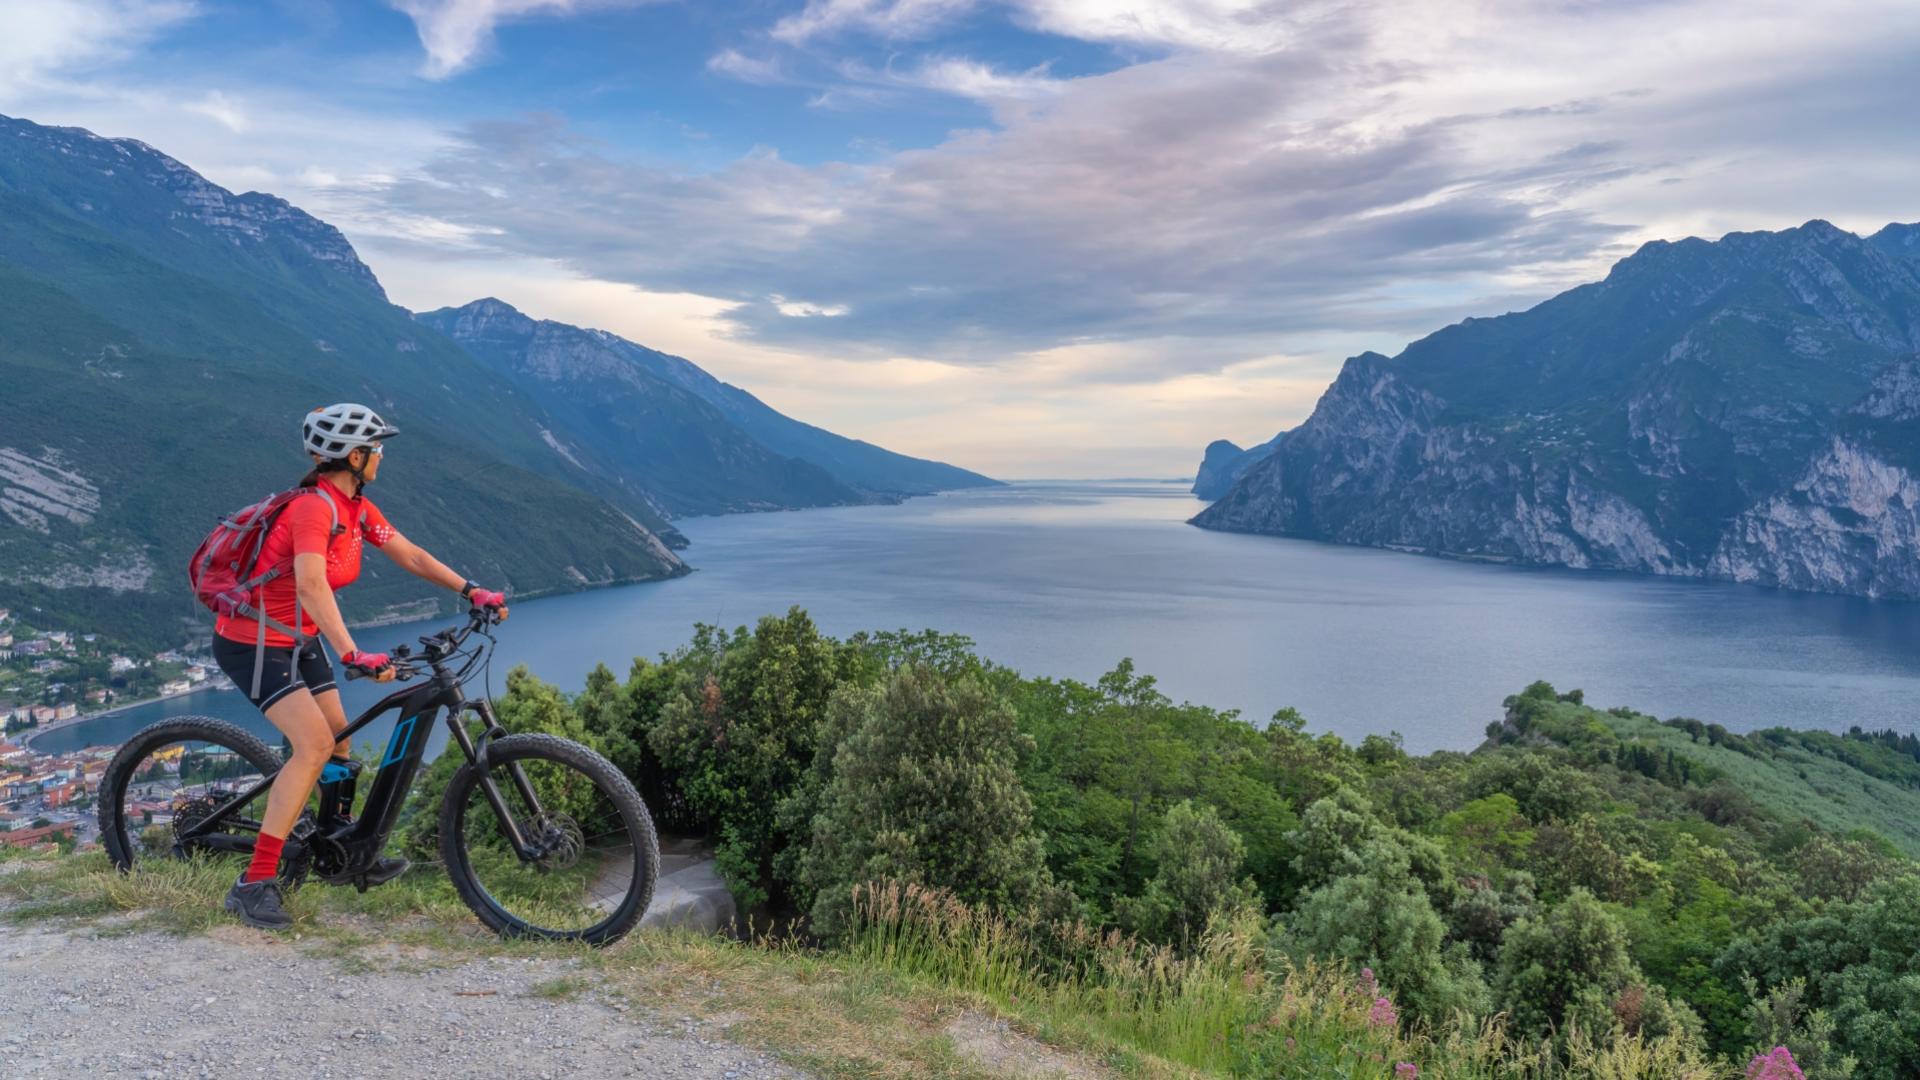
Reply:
x=279, y=675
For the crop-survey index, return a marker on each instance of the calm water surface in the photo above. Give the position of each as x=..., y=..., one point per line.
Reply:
x=1066, y=578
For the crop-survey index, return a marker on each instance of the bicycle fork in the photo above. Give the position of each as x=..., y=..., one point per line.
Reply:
x=477, y=754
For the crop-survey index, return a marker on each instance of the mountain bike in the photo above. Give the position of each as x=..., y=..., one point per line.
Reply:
x=541, y=836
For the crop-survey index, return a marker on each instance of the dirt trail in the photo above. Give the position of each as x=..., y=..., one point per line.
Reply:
x=84, y=1001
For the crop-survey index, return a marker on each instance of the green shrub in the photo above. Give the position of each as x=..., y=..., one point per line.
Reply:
x=921, y=788
x=1198, y=882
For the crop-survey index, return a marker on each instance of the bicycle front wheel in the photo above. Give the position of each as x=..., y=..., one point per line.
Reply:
x=589, y=855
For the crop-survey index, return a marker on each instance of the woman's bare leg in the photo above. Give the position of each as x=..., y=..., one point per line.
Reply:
x=300, y=719
x=336, y=714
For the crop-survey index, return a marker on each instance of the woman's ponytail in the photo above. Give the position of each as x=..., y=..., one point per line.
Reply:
x=312, y=479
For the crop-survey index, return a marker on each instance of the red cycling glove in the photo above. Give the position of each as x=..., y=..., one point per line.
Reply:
x=487, y=598
x=369, y=662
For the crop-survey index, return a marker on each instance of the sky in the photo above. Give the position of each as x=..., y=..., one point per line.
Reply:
x=1037, y=238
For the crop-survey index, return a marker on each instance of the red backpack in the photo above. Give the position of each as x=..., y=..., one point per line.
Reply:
x=224, y=577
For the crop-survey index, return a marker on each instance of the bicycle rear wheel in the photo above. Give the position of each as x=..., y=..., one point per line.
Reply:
x=593, y=858
x=172, y=775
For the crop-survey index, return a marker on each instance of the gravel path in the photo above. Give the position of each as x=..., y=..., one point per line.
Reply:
x=233, y=1003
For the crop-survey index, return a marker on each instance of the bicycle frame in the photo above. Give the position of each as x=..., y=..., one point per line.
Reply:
x=362, y=841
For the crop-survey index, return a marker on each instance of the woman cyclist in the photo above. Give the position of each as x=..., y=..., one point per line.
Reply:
x=321, y=535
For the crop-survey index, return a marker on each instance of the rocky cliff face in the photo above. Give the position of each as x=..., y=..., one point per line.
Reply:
x=1743, y=410
x=1224, y=462
x=253, y=220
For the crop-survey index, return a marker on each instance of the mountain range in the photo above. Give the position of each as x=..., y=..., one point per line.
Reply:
x=1742, y=409
x=698, y=445
x=159, y=336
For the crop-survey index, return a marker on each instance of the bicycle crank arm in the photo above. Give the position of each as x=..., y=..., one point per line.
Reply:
x=229, y=842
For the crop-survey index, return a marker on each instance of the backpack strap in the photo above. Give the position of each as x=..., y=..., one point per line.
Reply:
x=300, y=638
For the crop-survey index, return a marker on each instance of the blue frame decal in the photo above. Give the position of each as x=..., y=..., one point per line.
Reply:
x=402, y=737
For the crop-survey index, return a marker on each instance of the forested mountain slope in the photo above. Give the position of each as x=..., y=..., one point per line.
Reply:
x=160, y=338
x=703, y=444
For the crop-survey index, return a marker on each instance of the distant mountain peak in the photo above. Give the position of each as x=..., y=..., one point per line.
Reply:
x=579, y=362
x=254, y=218
x=491, y=307
x=1898, y=240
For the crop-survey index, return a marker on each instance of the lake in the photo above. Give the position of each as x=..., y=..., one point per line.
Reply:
x=1066, y=578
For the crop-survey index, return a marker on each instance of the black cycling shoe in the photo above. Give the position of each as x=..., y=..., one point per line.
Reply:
x=258, y=904
x=383, y=870
x=386, y=868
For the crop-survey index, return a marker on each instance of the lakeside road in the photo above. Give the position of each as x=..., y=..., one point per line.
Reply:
x=25, y=738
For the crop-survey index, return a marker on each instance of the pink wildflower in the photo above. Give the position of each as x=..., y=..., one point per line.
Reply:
x=1369, y=987
x=1406, y=1070
x=1382, y=1015
x=1778, y=1065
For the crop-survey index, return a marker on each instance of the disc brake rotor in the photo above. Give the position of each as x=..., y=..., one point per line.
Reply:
x=558, y=840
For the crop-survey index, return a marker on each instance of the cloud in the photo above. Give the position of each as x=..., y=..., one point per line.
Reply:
x=962, y=77
x=893, y=20
x=1181, y=197
x=1318, y=170
x=222, y=109
x=1233, y=26
x=757, y=70
x=43, y=37
x=456, y=32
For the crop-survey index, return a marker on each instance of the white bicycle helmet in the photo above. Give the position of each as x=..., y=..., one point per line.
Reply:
x=337, y=430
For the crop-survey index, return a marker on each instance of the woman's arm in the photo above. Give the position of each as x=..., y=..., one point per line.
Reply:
x=414, y=559
x=316, y=599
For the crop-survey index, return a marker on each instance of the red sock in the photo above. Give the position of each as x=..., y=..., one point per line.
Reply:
x=266, y=858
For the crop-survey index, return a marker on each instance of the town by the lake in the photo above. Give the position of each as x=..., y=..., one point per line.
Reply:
x=48, y=679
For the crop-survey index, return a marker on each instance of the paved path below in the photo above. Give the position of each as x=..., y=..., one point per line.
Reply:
x=75, y=1001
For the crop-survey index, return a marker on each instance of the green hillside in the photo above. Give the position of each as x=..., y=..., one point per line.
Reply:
x=1846, y=784
x=159, y=340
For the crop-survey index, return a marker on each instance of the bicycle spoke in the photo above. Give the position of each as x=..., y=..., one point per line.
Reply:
x=584, y=864
x=170, y=779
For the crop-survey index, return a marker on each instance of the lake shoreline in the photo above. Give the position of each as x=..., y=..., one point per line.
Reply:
x=1066, y=580
x=26, y=738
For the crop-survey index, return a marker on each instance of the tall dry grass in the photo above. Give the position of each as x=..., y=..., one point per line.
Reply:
x=1222, y=1008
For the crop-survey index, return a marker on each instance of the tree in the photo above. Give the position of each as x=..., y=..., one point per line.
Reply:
x=738, y=731
x=1781, y=1017
x=1487, y=834
x=1109, y=760
x=1481, y=915
x=1859, y=966
x=1377, y=915
x=1198, y=880
x=1572, y=966
x=923, y=790
x=1330, y=836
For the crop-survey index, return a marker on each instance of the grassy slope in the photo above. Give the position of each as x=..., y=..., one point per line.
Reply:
x=1838, y=784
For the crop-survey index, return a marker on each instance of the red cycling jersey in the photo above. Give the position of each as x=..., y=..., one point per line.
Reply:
x=302, y=529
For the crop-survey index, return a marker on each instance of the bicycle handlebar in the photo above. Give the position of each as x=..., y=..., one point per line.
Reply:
x=438, y=646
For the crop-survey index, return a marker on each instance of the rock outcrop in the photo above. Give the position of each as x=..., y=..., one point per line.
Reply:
x=1224, y=462
x=1747, y=409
